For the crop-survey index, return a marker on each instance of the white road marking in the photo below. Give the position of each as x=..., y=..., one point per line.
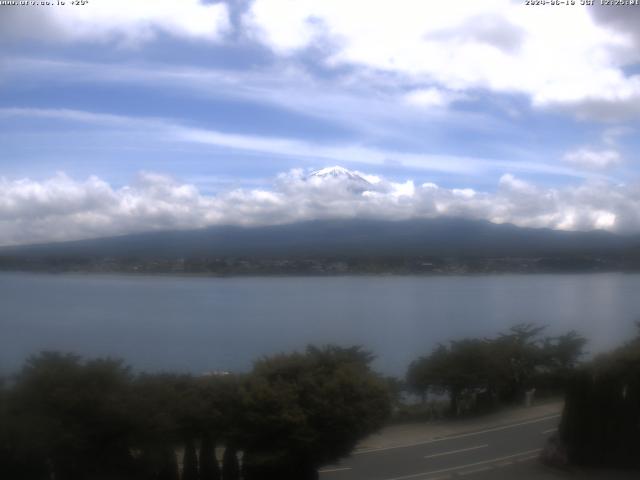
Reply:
x=330, y=470
x=475, y=470
x=551, y=430
x=529, y=457
x=461, y=467
x=454, y=437
x=456, y=451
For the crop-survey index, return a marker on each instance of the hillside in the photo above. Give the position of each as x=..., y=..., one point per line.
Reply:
x=375, y=241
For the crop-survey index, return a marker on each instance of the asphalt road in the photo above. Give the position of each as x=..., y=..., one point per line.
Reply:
x=495, y=452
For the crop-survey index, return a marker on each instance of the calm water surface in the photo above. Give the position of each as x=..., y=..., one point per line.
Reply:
x=202, y=324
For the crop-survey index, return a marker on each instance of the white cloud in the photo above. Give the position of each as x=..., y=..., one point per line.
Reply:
x=611, y=136
x=625, y=19
x=355, y=153
x=128, y=22
x=430, y=97
x=569, y=58
x=62, y=208
x=367, y=103
x=295, y=148
x=593, y=159
x=352, y=153
x=558, y=57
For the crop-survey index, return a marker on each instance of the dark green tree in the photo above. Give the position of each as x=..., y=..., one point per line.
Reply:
x=502, y=368
x=157, y=405
x=20, y=456
x=73, y=416
x=601, y=420
x=168, y=465
x=460, y=370
x=563, y=353
x=190, y=461
x=209, y=468
x=517, y=355
x=220, y=406
x=561, y=357
x=230, y=465
x=221, y=409
x=304, y=410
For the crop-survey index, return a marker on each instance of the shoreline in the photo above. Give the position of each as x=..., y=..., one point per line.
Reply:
x=314, y=274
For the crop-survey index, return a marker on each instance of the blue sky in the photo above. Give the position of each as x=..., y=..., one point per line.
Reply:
x=121, y=116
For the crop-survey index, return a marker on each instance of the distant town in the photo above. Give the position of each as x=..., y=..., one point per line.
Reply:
x=229, y=266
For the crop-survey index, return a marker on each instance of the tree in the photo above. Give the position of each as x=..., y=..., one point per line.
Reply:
x=230, y=466
x=176, y=411
x=303, y=410
x=460, y=369
x=219, y=416
x=72, y=416
x=563, y=352
x=517, y=354
x=561, y=357
x=168, y=409
x=209, y=468
x=601, y=420
x=220, y=406
x=190, y=461
x=502, y=368
x=19, y=457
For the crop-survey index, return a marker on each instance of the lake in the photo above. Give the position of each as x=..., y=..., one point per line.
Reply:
x=200, y=324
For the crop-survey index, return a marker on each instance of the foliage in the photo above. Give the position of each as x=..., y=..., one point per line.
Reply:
x=601, y=420
x=230, y=466
x=209, y=468
x=190, y=462
x=478, y=373
x=220, y=407
x=70, y=419
x=307, y=409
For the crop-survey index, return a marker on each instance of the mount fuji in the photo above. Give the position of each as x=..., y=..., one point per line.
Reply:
x=341, y=174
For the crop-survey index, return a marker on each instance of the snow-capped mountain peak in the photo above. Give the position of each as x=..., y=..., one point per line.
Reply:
x=337, y=172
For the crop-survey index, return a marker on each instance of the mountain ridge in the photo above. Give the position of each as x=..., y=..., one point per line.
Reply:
x=421, y=237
